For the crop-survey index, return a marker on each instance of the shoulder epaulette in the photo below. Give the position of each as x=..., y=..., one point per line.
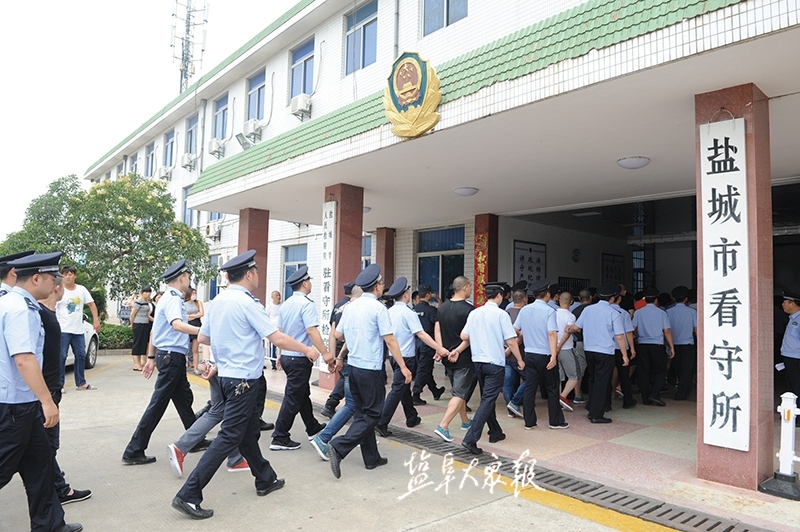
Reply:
x=174, y=292
x=33, y=305
x=3, y=292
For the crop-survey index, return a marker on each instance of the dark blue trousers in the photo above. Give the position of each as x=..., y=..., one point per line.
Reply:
x=685, y=362
x=536, y=374
x=240, y=429
x=400, y=393
x=171, y=385
x=490, y=378
x=296, y=397
x=25, y=449
x=600, y=368
x=368, y=391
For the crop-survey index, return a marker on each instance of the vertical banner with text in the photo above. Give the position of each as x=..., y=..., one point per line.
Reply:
x=327, y=287
x=726, y=285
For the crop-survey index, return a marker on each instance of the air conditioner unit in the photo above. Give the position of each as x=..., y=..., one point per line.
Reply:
x=213, y=230
x=216, y=147
x=252, y=129
x=164, y=172
x=301, y=105
x=187, y=161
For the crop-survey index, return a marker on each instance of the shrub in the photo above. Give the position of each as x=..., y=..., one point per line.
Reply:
x=115, y=337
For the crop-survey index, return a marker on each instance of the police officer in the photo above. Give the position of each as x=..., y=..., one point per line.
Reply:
x=623, y=370
x=171, y=332
x=603, y=332
x=299, y=320
x=537, y=323
x=487, y=328
x=235, y=327
x=790, y=347
x=365, y=327
x=424, y=374
x=651, y=324
x=406, y=328
x=683, y=325
x=8, y=278
x=26, y=406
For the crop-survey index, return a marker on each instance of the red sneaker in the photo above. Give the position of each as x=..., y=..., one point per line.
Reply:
x=241, y=466
x=175, y=459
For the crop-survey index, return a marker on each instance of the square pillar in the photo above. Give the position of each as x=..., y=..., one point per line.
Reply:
x=745, y=469
x=384, y=252
x=347, y=234
x=486, y=240
x=254, y=234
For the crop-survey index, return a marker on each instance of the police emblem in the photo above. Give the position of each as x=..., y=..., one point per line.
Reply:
x=412, y=96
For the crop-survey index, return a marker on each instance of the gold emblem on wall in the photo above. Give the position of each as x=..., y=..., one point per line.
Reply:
x=412, y=96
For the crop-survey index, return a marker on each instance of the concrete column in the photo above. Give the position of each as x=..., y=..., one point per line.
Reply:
x=384, y=253
x=254, y=234
x=349, y=227
x=737, y=468
x=486, y=237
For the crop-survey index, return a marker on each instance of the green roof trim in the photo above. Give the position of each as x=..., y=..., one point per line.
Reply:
x=280, y=21
x=595, y=24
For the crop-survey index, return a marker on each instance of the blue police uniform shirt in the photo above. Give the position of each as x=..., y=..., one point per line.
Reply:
x=553, y=304
x=4, y=289
x=627, y=323
x=236, y=323
x=682, y=321
x=298, y=313
x=600, y=324
x=170, y=308
x=405, y=326
x=21, y=332
x=790, y=348
x=536, y=321
x=488, y=327
x=364, y=323
x=650, y=322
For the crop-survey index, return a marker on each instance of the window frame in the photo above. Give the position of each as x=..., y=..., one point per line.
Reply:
x=291, y=266
x=150, y=159
x=191, y=134
x=134, y=159
x=259, y=92
x=169, y=148
x=221, y=117
x=446, y=15
x=358, y=28
x=303, y=62
x=188, y=213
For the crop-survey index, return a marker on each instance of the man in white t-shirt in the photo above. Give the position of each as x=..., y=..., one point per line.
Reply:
x=69, y=312
x=274, y=312
x=571, y=361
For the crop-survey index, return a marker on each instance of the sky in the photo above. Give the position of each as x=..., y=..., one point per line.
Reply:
x=81, y=76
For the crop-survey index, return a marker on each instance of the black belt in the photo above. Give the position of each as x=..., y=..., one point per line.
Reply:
x=164, y=351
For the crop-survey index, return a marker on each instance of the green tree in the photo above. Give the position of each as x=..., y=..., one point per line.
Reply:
x=121, y=234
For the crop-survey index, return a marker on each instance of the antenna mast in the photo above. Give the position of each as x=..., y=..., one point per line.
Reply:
x=188, y=19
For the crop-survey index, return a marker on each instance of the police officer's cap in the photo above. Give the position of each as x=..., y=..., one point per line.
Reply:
x=348, y=288
x=369, y=276
x=494, y=288
x=520, y=285
x=424, y=290
x=175, y=270
x=37, y=263
x=679, y=293
x=791, y=296
x=554, y=289
x=609, y=290
x=651, y=292
x=299, y=276
x=244, y=260
x=398, y=288
x=540, y=286
x=14, y=256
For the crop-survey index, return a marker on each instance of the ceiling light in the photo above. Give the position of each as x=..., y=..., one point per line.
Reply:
x=633, y=163
x=367, y=209
x=466, y=191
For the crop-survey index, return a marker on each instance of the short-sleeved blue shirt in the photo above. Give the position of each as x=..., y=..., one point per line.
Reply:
x=650, y=322
x=405, y=325
x=21, y=332
x=627, y=323
x=237, y=323
x=488, y=327
x=168, y=309
x=298, y=313
x=790, y=348
x=682, y=321
x=600, y=324
x=536, y=321
x=364, y=323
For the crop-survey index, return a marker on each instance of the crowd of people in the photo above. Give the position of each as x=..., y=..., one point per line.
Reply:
x=525, y=340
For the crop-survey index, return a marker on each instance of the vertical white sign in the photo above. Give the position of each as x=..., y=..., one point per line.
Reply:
x=726, y=285
x=328, y=290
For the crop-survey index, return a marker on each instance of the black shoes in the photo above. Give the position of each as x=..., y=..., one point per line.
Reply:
x=275, y=486
x=472, y=448
x=77, y=495
x=193, y=511
x=600, y=420
x=438, y=393
x=283, y=444
x=71, y=527
x=138, y=460
x=419, y=401
x=203, y=410
x=202, y=445
x=383, y=430
x=334, y=458
x=657, y=402
x=263, y=425
x=381, y=461
x=413, y=422
x=631, y=404
x=328, y=412
x=496, y=438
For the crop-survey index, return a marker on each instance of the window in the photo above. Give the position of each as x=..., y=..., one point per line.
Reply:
x=213, y=216
x=255, y=96
x=191, y=135
x=150, y=160
x=362, y=37
x=441, y=13
x=108, y=176
x=188, y=214
x=366, y=251
x=221, y=118
x=169, y=149
x=121, y=169
x=303, y=69
x=135, y=163
x=440, y=257
x=294, y=257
